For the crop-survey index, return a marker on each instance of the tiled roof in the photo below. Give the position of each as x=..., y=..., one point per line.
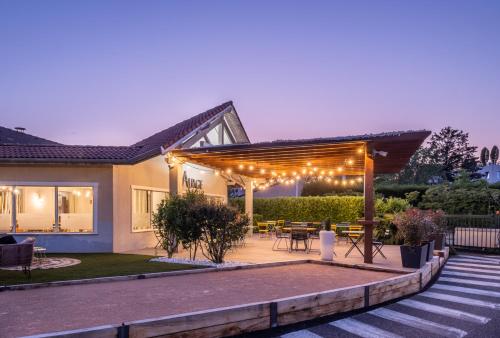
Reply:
x=165, y=138
x=10, y=136
x=65, y=153
x=57, y=153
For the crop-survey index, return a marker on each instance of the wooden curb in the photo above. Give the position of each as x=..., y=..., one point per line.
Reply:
x=245, y=318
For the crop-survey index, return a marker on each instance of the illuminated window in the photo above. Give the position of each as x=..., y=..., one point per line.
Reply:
x=144, y=203
x=75, y=206
x=35, y=209
x=5, y=209
x=46, y=209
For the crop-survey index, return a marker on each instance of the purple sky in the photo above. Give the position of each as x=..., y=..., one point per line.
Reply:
x=104, y=72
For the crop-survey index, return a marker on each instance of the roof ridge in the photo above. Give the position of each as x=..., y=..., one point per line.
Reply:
x=225, y=105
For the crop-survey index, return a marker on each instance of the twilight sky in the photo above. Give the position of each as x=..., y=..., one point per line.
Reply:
x=114, y=72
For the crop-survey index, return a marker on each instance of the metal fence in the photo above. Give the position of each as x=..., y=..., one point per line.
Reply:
x=474, y=231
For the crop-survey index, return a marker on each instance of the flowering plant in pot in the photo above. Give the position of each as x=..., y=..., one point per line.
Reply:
x=412, y=225
x=327, y=240
x=438, y=233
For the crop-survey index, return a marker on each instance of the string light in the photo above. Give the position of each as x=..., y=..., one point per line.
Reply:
x=217, y=173
x=262, y=171
x=315, y=169
x=250, y=167
x=350, y=162
x=360, y=150
x=309, y=164
x=241, y=166
x=273, y=173
x=304, y=171
x=228, y=170
x=322, y=172
x=330, y=172
x=340, y=169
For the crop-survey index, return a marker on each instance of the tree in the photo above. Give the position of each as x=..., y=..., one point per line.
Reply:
x=176, y=223
x=419, y=170
x=221, y=228
x=450, y=149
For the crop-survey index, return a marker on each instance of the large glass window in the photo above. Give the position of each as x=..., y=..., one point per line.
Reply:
x=145, y=202
x=35, y=209
x=75, y=209
x=5, y=209
x=46, y=209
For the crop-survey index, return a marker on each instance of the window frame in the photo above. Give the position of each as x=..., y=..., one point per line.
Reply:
x=145, y=188
x=55, y=185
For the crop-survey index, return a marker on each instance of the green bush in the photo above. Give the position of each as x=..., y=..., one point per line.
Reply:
x=221, y=227
x=457, y=199
x=319, y=208
x=400, y=190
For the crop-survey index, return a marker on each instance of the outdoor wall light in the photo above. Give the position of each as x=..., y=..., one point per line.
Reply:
x=380, y=152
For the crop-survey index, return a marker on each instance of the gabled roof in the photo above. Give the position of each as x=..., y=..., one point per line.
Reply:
x=152, y=145
x=52, y=152
x=10, y=136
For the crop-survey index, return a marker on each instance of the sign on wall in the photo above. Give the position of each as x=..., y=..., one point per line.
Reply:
x=191, y=183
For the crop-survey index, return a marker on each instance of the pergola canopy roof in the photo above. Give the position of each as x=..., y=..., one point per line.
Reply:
x=344, y=155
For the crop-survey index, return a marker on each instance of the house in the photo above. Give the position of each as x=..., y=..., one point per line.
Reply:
x=491, y=173
x=80, y=198
x=100, y=198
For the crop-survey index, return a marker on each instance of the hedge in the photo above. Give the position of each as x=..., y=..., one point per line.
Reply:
x=318, y=208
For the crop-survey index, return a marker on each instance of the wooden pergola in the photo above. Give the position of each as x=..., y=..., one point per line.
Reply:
x=365, y=155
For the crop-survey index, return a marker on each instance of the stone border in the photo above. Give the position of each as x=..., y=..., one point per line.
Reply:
x=234, y=320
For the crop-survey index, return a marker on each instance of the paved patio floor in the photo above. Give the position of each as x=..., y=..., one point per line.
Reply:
x=259, y=250
x=26, y=312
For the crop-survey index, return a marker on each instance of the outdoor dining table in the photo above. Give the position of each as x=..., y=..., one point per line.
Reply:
x=308, y=229
x=354, y=240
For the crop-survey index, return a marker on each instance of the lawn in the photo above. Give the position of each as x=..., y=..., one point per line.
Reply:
x=92, y=266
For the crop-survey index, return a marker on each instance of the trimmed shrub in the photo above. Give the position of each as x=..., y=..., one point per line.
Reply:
x=319, y=208
x=400, y=190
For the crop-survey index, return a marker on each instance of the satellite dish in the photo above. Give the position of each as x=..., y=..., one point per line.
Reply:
x=485, y=156
x=494, y=154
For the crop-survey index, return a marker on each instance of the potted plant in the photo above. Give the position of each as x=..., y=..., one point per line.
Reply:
x=439, y=233
x=411, y=226
x=326, y=240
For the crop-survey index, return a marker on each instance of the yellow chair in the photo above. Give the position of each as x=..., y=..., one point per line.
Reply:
x=280, y=223
x=263, y=228
x=355, y=228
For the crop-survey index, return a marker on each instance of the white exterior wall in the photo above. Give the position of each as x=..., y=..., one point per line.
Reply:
x=100, y=177
x=153, y=174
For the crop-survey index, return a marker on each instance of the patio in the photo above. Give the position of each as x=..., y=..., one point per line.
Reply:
x=259, y=250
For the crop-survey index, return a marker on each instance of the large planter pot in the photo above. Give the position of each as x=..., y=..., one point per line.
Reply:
x=439, y=240
x=414, y=256
x=430, y=249
x=326, y=241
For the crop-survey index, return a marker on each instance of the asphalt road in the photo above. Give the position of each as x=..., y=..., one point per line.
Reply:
x=464, y=301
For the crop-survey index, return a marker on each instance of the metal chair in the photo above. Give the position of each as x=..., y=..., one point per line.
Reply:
x=299, y=234
x=263, y=229
x=378, y=244
x=280, y=235
x=314, y=235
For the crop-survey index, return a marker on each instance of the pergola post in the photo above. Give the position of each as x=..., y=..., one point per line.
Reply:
x=249, y=203
x=369, y=194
